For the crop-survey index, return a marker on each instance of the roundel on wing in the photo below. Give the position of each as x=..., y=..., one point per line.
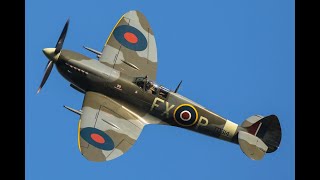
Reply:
x=97, y=138
x=185, y=115
x=130, y=37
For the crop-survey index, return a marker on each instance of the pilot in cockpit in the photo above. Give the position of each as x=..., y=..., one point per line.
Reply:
x=150, y=87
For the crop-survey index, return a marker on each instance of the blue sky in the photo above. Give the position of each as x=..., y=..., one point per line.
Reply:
x=236, y=58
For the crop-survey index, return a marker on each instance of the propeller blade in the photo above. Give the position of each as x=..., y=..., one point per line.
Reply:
x=47, y=66
x=61, y=38
x=46, y=75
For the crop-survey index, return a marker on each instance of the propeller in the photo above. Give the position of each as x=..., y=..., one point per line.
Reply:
x=53, y=55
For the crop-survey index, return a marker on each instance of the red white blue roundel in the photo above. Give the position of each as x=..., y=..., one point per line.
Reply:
x=185, y=115
x=97, y=138
x=130, y=37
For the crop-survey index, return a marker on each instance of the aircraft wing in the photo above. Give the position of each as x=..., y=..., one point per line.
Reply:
x=106, y=128
x=131, y=47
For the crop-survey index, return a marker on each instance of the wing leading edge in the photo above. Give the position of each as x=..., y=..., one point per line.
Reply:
x=131, y=47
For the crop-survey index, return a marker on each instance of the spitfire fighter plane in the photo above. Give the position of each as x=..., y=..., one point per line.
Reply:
x=122, y=96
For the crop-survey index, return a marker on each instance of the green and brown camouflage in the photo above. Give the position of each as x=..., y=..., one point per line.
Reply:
x=121, y=97
x=114, y=53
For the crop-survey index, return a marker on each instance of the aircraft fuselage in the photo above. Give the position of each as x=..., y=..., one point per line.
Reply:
x=171, y=108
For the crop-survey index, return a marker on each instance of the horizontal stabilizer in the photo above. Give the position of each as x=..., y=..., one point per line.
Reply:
x=252, y=146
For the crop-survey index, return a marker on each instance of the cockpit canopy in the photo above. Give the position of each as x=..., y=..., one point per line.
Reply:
x=151, y=87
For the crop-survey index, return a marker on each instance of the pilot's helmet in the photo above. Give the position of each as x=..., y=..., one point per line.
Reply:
x=149, y=84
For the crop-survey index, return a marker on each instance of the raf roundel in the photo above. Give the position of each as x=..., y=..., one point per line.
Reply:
x=130, y=38
x=185, y=115
x=97, y=138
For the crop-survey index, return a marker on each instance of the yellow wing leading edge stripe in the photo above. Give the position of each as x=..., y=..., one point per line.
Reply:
x=79, y=135
x=113, y=29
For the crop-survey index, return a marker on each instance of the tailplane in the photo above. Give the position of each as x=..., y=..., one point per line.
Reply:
x=260, y=135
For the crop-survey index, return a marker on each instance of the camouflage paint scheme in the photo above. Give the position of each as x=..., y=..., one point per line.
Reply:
x=118, y=102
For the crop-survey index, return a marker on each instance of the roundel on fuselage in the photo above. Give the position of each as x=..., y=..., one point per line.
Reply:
x=185, y=115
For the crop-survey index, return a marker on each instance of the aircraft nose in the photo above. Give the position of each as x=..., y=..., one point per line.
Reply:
x=49, y=52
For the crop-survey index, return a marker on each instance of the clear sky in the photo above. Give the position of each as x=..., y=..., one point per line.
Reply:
x=236, y=58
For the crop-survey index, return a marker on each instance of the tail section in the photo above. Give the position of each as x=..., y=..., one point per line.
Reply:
x=252, y=146
x=260, y=135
